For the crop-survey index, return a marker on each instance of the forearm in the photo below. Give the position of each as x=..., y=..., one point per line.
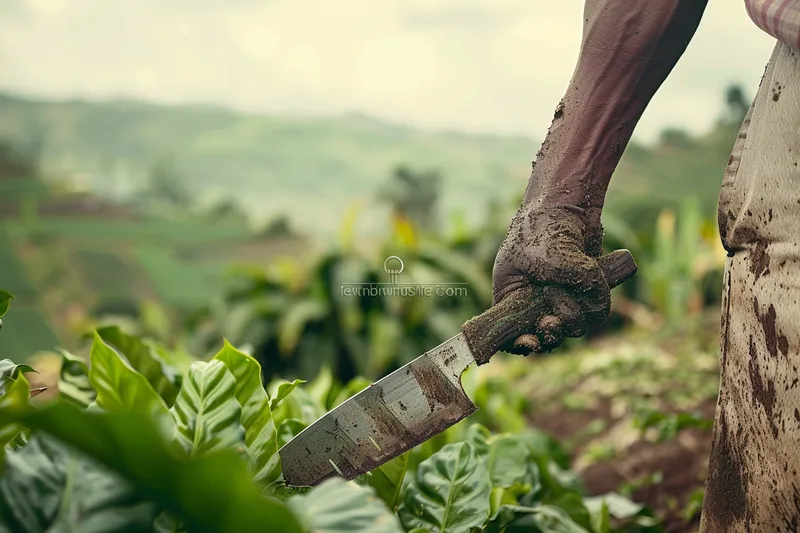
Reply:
x=628, y=50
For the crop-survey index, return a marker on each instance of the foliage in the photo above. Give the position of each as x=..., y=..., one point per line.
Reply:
x=140, y=457
x=299, y=316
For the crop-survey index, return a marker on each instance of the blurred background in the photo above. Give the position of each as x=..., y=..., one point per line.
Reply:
x=193, y=171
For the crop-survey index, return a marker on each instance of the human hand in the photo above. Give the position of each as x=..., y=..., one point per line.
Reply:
x=554, y=247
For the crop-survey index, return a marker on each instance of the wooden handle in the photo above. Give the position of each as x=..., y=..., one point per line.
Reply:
x=519, y=311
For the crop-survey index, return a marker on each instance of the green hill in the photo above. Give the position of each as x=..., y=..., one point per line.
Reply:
x=270, y=163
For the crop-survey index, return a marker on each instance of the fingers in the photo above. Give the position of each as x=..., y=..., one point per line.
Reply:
x=568, y=309
x=565, y=317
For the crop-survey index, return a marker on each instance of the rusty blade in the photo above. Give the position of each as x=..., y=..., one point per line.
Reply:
x=386, y=419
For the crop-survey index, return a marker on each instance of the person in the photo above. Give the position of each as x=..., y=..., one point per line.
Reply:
x=628, y=49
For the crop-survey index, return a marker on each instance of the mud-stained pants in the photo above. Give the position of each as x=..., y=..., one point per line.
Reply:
x=753, y=482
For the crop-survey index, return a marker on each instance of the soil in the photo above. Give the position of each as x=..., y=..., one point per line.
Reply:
x=681, y=462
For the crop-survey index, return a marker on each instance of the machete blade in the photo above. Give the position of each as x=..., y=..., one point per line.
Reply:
x=388, y=418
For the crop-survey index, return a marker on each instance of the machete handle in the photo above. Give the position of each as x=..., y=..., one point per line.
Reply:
x=518, y=311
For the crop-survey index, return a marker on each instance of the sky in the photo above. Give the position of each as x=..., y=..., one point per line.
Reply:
x=483, y=66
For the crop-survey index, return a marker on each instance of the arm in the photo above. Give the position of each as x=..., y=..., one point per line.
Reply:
x=628, y=49
x=779, y=18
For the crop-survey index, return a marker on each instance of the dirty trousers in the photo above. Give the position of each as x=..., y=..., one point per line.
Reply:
x=753, y=482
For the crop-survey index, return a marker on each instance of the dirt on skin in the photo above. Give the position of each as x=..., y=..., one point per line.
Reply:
x=681, y=462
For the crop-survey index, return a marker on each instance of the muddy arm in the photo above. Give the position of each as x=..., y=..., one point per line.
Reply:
x=628, y=49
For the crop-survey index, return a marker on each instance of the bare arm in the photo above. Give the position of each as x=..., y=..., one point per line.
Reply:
x=628, y=49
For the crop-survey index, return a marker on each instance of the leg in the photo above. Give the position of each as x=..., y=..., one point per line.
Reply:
x=753, y=482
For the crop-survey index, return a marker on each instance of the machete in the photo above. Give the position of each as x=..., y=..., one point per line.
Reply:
x=421, y=399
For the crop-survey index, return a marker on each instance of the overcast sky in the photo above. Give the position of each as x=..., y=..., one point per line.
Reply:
x=470, y=65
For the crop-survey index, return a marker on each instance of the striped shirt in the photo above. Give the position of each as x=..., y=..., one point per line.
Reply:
x=779, y=18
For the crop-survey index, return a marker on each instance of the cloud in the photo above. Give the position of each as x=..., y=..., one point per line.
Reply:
x=468, y=65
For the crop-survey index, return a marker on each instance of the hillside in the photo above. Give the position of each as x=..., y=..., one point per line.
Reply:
x=311, y=164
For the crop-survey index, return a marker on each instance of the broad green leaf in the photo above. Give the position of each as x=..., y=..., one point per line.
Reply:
x=143, y=356
x=281, y=391
x=450, y=492
x=206, y=412
x=260, y=433
x=387, y=480
x=541, y=518
x=288, y=429
x=47, y=487
x=507, y=461
x=119, y=387
x=73, y=383
x=5, y=302
x=478, y=436
x=337, y=506
x=214, y=493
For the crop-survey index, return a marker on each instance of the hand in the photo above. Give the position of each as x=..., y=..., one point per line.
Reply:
x=556, y=247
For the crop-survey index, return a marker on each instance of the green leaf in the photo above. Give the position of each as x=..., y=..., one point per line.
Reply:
x=572, y=504
x=5, y=302
x=336, y=506
x=206, y=411
x=46, y=487
x=282, y=391
x=9, y=370
x=260, y=434
x=119, y=387
x=323, y=388
x=478, y=436
x=544, y=446
x=450, y=492
x=288, y=429
x=541, y=518
x=16, y=395
x=387, y=480
x=299, y=405
x=507, y=461
x=618, y=505
x=212, y=494
x=294, y=320
x=143, y=356
x=73, y=383
x=601, y=520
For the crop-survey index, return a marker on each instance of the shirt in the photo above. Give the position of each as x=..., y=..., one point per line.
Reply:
x=779, y=18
